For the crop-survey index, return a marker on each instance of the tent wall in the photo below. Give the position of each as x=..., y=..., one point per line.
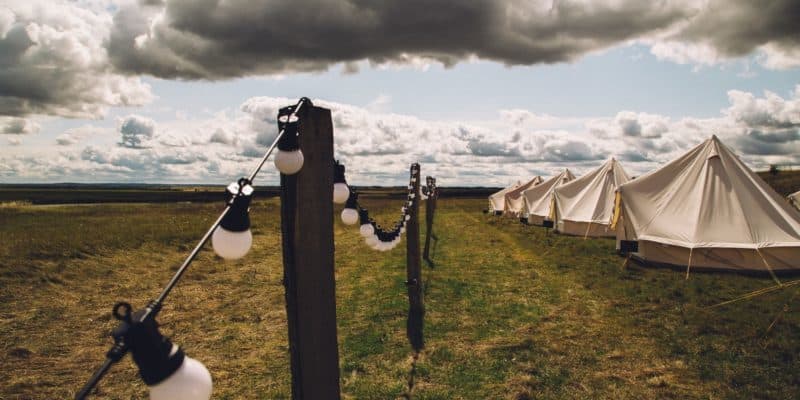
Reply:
x=709, y=201
x=579, y=228
x=497, y=200
x=513, y=198
x=780, y=259
x=585, y=206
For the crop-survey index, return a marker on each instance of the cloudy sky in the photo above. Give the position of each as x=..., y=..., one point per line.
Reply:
x=480, y=92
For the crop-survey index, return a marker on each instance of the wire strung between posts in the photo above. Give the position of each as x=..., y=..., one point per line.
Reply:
x=376, y=235
x=120, y=347
x=429, y=190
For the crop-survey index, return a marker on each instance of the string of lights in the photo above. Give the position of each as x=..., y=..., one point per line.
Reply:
x=429, y=190
x=375, y=236
x=163, y=366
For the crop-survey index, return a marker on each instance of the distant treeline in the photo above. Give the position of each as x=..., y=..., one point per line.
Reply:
x=784, y=182
x=69, y=193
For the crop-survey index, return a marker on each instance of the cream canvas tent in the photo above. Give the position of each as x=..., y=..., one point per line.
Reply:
x=708, y=210
x=536, y=200
x=513, y=198
x=497, y=201
x=585, y=206
x=794, y=198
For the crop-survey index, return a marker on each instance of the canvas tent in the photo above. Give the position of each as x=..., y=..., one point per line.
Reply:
x=497, y=200
x=708, y=210
x=585, y=206
x=513, y=198
x=537, y=200
x=794, y=198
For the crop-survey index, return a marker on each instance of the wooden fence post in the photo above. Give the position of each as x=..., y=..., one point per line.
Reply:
x=308, y=263
x=430, y=210
x=416, y=308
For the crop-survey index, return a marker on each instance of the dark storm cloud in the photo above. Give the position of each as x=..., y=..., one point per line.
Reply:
x=737, y=27
x=213, y=39
x=53, y=61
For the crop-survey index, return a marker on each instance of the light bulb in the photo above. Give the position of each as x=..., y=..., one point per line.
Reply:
x=408, y=217
x=349, y=216
x=340, y=192
x=190, y=382
x=231, y=245
x=367, y=230
x=371, y=241
x=288, y=162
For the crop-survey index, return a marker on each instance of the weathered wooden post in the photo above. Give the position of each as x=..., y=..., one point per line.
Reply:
x=308, y=274
x=430, y=210
x=416, y=308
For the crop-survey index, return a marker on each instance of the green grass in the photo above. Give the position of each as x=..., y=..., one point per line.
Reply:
x=512, y=311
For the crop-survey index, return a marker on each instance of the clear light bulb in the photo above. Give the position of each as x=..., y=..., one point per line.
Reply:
x=289, y=162
x=340, y=192
x=349, y=216
x=231, y=245
x=366, y=230
x=190, y=382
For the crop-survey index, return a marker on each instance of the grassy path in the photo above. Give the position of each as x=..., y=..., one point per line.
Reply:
x=512, y=312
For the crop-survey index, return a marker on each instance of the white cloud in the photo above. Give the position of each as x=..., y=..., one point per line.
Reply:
x=136, y=131
x=55, y=62
x=17, y=126
x=77, y=135
x=378, y=147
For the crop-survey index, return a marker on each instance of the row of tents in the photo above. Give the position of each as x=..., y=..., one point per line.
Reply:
x=705, y=210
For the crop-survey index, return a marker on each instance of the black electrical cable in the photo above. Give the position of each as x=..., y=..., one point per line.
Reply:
x=120, y=348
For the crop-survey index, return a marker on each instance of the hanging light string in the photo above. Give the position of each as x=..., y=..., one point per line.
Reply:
x=429, y=190
x=375, y=235
x=138, y=331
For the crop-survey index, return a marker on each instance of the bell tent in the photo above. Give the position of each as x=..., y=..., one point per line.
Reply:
x=794, y=198
x=513, y=198
x=497, y=200
x=584, y=207
x=707, y=210
x=537, y=200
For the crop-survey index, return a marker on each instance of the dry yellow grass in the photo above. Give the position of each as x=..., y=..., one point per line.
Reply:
x=512, y=312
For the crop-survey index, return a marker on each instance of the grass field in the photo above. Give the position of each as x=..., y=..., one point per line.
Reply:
x=512, y=311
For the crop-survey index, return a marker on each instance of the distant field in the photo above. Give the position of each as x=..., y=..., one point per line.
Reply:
x=784, y=182
x=91, y=194
x=512, y=311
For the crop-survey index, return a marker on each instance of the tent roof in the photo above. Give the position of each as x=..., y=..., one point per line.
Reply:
x=514, y=200
x=537, y=199
x=590, y=198
x=517, y=192
x=794, y=198
x=708, y=198
x=498, y=199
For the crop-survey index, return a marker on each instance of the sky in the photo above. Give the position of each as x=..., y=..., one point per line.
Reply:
x=481, y=93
